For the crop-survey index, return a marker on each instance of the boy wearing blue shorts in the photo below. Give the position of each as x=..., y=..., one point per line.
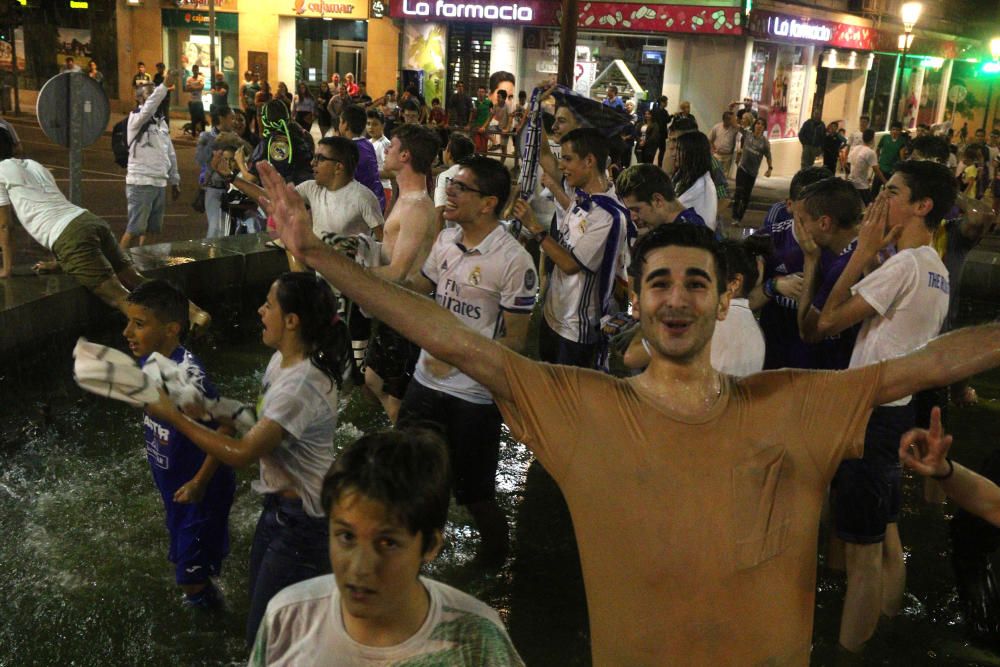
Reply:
x=197, y=490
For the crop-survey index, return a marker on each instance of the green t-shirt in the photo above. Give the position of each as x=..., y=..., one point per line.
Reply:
x=888, y=153
x=483, y=108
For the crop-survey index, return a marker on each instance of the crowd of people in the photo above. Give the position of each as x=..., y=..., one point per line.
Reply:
x=695, y=482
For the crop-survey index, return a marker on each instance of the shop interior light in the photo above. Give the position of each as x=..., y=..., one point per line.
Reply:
x=910, y=11
x=930, y=62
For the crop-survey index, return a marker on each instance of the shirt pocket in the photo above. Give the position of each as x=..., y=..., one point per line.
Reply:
x=761, y=506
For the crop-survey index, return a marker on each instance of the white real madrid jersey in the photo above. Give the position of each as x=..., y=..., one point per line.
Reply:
x=476, y=285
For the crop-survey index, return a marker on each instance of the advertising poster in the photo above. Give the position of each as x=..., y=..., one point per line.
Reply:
x=73, y=43
x=6, y=51
x=424, y=49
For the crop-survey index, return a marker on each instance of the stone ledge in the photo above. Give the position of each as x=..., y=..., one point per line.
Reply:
x=226, y=276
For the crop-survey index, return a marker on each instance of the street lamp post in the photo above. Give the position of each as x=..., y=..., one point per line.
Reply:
x=995, y=52
x=910, y=12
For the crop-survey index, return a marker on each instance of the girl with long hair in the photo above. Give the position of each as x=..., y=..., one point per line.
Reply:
x=293, y=436
x=693, y=177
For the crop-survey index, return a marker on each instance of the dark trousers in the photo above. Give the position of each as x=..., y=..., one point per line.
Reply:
x=744, y=188
x=289, y=546
x=555, y=349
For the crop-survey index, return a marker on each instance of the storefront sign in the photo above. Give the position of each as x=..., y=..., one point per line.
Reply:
x=783, y=27
x=220, y=5
x=177, y=18
x=594, y=16
x=528, y=12
x=327, y=9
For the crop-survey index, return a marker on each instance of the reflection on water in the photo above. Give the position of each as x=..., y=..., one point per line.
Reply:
x=86, y=581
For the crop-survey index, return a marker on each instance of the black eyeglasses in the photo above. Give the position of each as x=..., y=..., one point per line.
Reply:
x=462, y=187
x=317, y=158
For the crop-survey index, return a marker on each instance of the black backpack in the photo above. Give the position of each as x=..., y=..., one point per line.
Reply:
x=6, y=142
x=120, y=145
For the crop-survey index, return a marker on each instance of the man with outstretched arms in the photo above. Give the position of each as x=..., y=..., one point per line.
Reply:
x=695, y=497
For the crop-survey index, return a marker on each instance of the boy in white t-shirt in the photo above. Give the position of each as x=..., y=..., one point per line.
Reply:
x=375, y=129
x=901, y=305
x=459, y=148
x=387, y=498
x=862, y=161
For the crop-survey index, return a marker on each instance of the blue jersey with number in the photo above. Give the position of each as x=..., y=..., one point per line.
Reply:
x=173, y=459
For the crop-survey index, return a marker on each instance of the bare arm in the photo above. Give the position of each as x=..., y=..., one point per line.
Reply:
x=563, y=258
x=265, y=435
x=808, y=317
x=943, y=361
x=516, y=325
x=925, y=451
x=6, y=240
x=419, y=319
x=843, y=310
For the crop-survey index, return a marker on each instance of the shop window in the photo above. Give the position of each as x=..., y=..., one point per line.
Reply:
x=469, y=46
x=879, y=89
x=777, y=86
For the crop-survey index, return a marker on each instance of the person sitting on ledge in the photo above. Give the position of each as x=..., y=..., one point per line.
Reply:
x=82, y=243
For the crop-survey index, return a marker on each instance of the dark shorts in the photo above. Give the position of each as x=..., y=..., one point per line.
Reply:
x=472, y=431
x=88, y=251
x=555, y=349
x=199, y=533
x=865, y=493
x=392, y=358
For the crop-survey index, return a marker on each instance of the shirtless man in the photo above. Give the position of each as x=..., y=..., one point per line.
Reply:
x=408, y=235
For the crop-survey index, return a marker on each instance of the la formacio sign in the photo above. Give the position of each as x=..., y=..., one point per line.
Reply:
x=784, y=27
x=520, y=12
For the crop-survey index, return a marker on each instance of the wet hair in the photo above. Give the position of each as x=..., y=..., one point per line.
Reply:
x=931, y=148
x=322, y=331
x=694, y=160
x=343, y=149
x=422, y=143
x=685, y=236
x=588, y=141
x=355, y=118
x=931, y=180
x=868, y=135
x=741, y=258
x=492, y=178
x=405, y=469
x=642, y=181
x=896, y=125
x=835, y=198
x=375, y=114
x=804, y=177
x=164, y=300
x=460, y=147
x=499, y=77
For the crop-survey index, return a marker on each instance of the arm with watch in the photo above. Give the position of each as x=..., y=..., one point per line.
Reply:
x=788, y=286
x=925, y=451
x=562, y=257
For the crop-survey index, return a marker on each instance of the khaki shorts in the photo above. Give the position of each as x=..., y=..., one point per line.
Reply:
x=88, y=251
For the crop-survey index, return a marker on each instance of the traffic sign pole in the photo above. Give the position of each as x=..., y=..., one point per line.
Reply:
x=75, y=110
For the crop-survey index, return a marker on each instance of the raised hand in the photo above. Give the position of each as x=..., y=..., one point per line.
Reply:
x=924, y=450
x=292, y=221
x=806, y=241
x=875, y=232
x=790, y=285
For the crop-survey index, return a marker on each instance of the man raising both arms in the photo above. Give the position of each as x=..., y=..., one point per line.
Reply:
x=695, y=497
x=407, y=238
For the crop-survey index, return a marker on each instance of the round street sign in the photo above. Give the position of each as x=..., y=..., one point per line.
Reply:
x=957, y=93
x=55, y=105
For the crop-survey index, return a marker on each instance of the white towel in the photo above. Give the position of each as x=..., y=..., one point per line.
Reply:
x=113, y=374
